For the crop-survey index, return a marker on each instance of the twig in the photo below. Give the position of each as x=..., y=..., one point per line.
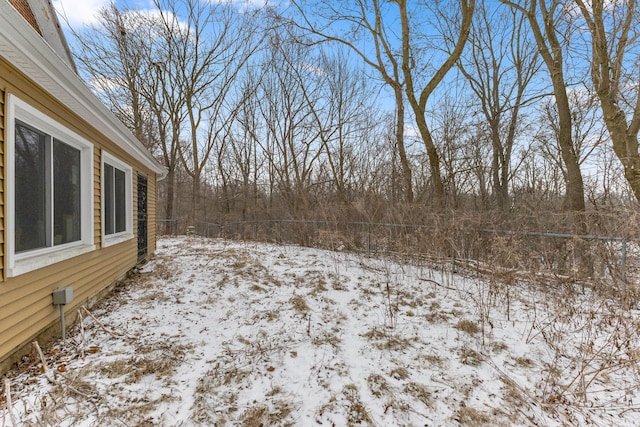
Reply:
x=529, y=401
x=104, y=328
x=82, y=342
x=7, y=394
x=47, y=372
x=433, y=282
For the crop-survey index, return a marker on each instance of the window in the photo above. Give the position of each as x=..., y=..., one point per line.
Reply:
x=117, y=217
x=49, y=176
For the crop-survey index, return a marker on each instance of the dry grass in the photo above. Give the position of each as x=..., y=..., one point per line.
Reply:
x=378, y=385
x=470, y=357
x=261, y=415
x=399, y=373
x=468, y=416
x=327, y=338
x=419, y=392
x=385, y=339
x=299, y=304
x=467, y=326
x=357, y=413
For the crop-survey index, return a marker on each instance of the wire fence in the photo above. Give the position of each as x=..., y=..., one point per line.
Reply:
x=492, y=249
x=168, y=227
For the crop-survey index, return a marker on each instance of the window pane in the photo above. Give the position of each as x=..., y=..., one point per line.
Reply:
x=120, y=202
x=108, y=199
x=31, y=189
x=66, y=193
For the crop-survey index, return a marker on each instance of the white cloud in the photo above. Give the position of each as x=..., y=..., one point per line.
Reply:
x=77, y=13
x=80, y=13
x=246, y=5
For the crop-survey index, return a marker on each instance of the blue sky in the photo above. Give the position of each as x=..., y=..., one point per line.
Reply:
x=78, y=13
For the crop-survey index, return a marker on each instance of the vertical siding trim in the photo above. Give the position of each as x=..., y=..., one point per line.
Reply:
x=2, y=194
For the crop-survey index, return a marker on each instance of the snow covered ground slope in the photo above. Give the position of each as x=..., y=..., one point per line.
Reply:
x=216, y=333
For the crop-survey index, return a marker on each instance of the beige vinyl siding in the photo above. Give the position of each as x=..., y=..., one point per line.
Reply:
x=29, y=307
x=26, y=308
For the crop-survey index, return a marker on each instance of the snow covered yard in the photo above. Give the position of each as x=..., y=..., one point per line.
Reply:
x=215, y=333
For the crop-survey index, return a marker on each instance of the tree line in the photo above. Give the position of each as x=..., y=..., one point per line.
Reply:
x=376, y=108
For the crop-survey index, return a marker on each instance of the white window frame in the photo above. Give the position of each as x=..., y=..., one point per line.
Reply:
x=20, y=263
x=115, y=238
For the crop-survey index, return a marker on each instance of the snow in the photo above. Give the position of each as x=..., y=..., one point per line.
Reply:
x=217, y=332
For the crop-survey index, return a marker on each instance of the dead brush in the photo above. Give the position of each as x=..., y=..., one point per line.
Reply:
x=467, y=326
x=299, y=304
x=333, y=240
x=419, y=392
x=391, y=306
x=378, y=385
x=71, y=399
x=357, y=413
x=262, y=347
x=276, y=413
x=606, y=347
x=164, y=269
x=383, y=339
x=468, y=416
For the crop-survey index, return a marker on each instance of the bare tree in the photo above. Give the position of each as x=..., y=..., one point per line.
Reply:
x=499, y=65
x=167, y=104
x=113, y=57
x=342, y=113
x=587, y=132
x=614, y=27
x=450, y=131
x=547, y=20
x=245, y=142
x=125, y=57
x=368, y=35
x=291, y=142
x=419, y=93
x=209, y=49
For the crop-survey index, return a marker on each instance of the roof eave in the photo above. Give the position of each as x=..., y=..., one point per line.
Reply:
x=26, y=49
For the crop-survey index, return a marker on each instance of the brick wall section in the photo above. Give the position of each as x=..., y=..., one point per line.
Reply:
x=22, y=6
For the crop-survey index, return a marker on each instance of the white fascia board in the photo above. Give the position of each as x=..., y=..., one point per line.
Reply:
x=21, y=45
x=49, y=24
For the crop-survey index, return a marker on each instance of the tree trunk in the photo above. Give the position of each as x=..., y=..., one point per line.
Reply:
x=625, y=144
x=170, y=180
x=551, y=50
x=195, y=199
x=434, y=161
x=404, y=162
x=574, y=185
x=607, y=71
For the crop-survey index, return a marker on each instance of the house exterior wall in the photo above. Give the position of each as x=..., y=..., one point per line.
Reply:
x=26, y=308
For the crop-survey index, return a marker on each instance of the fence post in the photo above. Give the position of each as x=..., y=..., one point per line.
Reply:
x=623, y=262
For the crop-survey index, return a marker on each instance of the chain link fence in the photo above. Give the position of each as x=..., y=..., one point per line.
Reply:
x=486, y=249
